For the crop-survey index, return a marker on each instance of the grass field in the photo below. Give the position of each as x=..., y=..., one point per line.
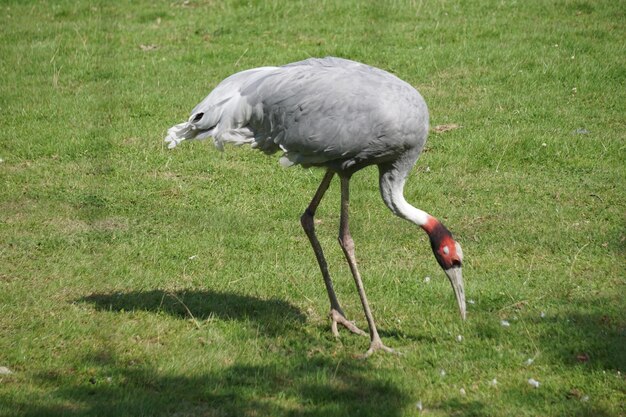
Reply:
x=137, y=281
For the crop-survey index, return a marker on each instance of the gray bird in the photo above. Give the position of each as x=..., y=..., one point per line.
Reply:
x=337, y=114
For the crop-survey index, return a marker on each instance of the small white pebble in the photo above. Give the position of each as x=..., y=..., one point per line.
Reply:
x=585, y=398
x=470, y=301
x=419, y=405
x=533, y=382
x=192, y=257
x=544, y=144
x=505, y=323
x=459, y=338
x=427, y=280
x=442, y=372
x=543, y=314
x=5, y=371
x=462, y=391
x=529, y=361
x=493, y=382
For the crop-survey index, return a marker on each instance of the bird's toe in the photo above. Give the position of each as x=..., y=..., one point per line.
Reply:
x=338, y=318
x=378, y=345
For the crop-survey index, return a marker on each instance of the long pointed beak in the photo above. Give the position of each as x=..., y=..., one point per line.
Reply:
x=456, y=279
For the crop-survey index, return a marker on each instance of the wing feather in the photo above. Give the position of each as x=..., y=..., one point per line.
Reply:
x=322, y=110
x=328, y=111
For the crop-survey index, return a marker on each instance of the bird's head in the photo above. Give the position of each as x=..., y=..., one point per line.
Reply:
x=449, y=255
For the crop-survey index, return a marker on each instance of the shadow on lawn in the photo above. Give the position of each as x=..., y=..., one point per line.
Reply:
x=528, y=401
x=591, y=335
x=590, y=340
x=294, y=386
x=297, y=382
x=273, y=315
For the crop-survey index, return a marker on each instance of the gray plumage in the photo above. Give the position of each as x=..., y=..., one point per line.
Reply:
x=320, y=112
x=337, y=114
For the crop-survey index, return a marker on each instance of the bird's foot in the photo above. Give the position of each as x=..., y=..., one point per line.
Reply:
x=377, y=344
x=337, y=317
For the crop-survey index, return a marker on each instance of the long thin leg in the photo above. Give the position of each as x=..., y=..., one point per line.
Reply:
x=347, y=244
x=336, y=313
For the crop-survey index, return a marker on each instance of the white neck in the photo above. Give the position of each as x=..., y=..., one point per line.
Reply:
x=391, y=189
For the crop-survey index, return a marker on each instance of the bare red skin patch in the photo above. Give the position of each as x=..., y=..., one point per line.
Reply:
x=441, y=241
x=431, y=224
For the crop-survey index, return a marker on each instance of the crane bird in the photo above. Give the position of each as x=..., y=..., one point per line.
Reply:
x=340, y=115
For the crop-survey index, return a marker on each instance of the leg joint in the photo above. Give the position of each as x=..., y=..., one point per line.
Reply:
x=346, y=242
x=306, y=220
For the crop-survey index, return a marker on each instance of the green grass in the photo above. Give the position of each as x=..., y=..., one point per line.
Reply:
x=136, y=281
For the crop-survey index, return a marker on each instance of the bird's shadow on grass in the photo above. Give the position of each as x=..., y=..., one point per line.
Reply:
x=272, y=315
x=287, y=387
x=293, y=382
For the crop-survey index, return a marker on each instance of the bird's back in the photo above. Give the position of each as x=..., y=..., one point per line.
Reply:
x=327, y=112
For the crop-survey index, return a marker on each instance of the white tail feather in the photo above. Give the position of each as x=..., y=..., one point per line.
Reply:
x=177, y=134
x=223, y=115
